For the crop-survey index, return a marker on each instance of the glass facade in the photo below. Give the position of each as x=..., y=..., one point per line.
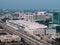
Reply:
x=56, y=17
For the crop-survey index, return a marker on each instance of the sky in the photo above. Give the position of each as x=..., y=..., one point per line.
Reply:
x=30, y=4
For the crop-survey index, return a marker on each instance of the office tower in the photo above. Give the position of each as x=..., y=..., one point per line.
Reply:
x=56, y=17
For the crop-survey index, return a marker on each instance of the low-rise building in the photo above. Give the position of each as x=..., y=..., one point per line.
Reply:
x=51, y=32
x=10, y=39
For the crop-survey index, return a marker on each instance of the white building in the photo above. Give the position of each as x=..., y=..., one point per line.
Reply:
x=28, y=17
x=41, y=13
x=51, y=32
x=28, y=26
x=33, y=17
x=9, y=38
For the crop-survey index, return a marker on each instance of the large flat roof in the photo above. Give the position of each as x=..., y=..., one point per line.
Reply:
x=29, y=24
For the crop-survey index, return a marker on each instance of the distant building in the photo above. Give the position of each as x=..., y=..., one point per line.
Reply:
x=28, y=17
x=39, y=16
x=56, y=17
x=41, y=13
x=8, y=15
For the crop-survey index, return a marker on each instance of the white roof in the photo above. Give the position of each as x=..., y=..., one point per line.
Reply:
x=28, y=24
x=41, y=13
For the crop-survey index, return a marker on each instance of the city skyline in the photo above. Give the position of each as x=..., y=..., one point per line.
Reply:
x=29, y=4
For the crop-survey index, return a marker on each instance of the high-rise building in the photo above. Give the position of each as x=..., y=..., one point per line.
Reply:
x=56, y=18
